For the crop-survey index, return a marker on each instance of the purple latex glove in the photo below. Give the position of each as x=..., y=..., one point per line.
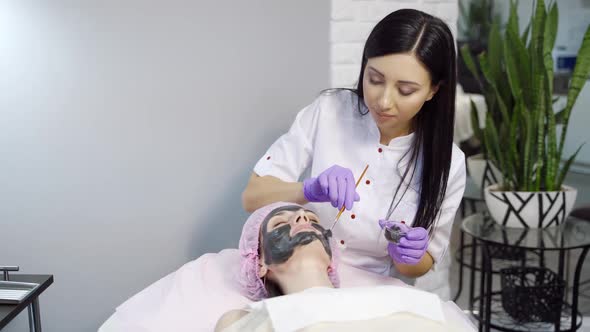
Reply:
x=412, y=244
x=335, y=185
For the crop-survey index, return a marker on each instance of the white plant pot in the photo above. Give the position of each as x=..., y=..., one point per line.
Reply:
x=522, y=209
x=482, y=171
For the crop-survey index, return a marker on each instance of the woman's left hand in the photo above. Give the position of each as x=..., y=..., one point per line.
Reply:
x=412, y=245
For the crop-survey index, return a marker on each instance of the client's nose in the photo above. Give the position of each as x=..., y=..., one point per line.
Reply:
x=301, y=217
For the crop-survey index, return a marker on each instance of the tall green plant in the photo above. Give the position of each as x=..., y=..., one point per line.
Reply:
x=494, y=78
x=521, y=133
x=476, y=17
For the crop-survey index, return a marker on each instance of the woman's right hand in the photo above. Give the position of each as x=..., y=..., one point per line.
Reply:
x=335, y=185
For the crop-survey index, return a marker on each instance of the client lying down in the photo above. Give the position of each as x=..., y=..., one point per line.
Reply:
x=289, y=265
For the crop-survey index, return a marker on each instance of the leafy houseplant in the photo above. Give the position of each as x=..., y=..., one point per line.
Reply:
x=474, y=23
x=521, y=131
x=480, y=168
x=476, y=17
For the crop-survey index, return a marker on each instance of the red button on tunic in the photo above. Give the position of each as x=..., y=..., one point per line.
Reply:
x=352, y=216
x=341, y=241
x=368, y=182
x=380, y=150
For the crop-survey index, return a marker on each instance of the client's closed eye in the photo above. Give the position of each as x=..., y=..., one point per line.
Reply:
x=279, y=223
x=313, y=218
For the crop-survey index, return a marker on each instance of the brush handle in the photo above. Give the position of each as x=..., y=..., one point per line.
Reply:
x=355, y=186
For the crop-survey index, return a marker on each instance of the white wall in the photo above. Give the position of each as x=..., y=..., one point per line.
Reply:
x=352, y=21
x=128, y=130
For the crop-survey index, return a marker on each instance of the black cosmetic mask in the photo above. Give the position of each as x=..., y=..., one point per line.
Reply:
x=278, y=245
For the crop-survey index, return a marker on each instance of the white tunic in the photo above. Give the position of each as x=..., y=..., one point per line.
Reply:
x=332, y=131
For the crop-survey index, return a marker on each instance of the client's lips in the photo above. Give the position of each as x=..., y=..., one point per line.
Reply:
x=303, y=228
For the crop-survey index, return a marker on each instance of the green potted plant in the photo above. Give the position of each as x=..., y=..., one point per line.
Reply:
x=521, y=137
x=474, y=24
x=481, y=169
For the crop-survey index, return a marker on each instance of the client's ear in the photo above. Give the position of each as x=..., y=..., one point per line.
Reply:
x=262, y=270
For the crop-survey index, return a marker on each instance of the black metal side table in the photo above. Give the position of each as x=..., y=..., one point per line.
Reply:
x=9, y=311
x=471, y=198
x=573, y=234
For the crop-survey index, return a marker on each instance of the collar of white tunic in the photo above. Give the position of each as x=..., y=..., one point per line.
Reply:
x=399, y=144
x=396, y=143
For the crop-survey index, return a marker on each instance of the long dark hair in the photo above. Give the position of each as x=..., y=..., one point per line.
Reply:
x=431, y=40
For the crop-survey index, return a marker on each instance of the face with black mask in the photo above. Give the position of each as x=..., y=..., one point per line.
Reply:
x=290, y=227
